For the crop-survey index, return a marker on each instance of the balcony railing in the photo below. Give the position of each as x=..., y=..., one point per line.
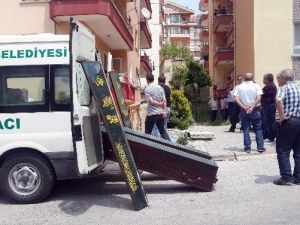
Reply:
x=205, y=49
x=204, y=20
x=146, y=37
x=184, y=34
x=204, y=35
x=230, y=35
x=222, y=22
x=224, y=55
x=203, y=5
x=145, y=62
x=185, y=22
x=122, y=12
x=206, y=65
x=94, y=13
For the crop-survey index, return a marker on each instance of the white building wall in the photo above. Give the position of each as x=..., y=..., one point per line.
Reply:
x=155, y=29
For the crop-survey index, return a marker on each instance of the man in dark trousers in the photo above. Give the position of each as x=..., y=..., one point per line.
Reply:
x=248, y=95
x=268, y=106
x=233, y=108
x=156, y=110
x=161, y=82
x=288, y=135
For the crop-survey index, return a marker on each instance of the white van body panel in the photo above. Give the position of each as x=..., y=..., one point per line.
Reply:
x=40, y=49
x=50, y=132
x=53, y=136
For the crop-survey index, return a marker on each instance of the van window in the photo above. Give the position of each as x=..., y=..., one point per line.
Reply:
x=83, y=88
x=22, y=86
x=24, y=89
x=62, y=85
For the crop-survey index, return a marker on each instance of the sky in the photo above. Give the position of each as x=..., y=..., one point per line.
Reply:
x=192, y=4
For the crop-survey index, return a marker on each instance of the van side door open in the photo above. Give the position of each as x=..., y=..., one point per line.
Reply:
x=85, y=122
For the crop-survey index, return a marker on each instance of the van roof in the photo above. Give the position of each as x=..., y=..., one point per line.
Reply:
x=30, y=38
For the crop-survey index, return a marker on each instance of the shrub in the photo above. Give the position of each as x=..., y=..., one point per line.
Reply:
x=181, y=116
x=182, y=140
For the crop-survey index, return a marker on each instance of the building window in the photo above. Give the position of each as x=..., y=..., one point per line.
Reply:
x=175, y=30
x=175, y=18
x=117, y=65
x=297, y=38
x=83, y=88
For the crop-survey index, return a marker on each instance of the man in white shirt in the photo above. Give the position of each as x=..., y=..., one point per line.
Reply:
x=213, y=103
x=224, y=108
x=248, y=95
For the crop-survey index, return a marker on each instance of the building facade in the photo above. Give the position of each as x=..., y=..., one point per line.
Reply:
x=155, y=25
x=247, y=36
x=120, y=27
x=181, y=29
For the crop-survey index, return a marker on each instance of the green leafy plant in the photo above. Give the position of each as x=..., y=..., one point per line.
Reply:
x=179, y=73
x=196, y=78
x=182, y=140
x=175, y=53
x=181, y=116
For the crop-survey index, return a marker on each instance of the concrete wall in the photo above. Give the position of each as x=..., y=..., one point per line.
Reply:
x=273, y=36
x=155, y=29
x=17, y=17
x=244, y=36
x=296, y=58
x=133, y=57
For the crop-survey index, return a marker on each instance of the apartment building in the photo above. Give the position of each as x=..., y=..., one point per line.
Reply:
x=155, y=25
x=119, y=25
x=181, y=28
x=247, y=36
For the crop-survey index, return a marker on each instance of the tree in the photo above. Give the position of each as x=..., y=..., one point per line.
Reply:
x=175, y=53
x=179, y=74
x=196, y=78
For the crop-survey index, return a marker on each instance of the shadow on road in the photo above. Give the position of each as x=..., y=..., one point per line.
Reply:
x=79, y=195
x=265, y=179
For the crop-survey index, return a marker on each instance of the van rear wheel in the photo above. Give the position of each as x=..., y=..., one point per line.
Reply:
x=26, y=178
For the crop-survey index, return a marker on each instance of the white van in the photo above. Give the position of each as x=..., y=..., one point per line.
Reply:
x=49, y=129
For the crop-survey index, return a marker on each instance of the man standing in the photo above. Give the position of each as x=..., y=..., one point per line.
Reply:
x=268, y=106
x=213, y=104
x=248, y=95
x=233, y=107
x=161, y=82
x=288, y=136
x=156, y=110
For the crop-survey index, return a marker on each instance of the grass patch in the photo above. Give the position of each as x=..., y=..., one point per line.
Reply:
x=201, y=115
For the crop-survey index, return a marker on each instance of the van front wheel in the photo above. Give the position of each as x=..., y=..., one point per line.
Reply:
x=26, y=178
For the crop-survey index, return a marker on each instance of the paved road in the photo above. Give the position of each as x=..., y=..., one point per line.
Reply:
x=244, y=195
x=227, y=145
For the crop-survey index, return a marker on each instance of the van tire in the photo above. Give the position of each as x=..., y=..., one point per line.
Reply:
x=26, y=178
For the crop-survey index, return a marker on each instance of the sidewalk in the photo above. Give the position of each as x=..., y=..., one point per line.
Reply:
x=227, y=145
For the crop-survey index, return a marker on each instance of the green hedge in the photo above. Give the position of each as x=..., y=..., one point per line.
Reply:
x=181, y=113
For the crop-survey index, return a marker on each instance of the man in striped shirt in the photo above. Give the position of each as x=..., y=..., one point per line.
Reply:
x=156, y=110
x=288, y=136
